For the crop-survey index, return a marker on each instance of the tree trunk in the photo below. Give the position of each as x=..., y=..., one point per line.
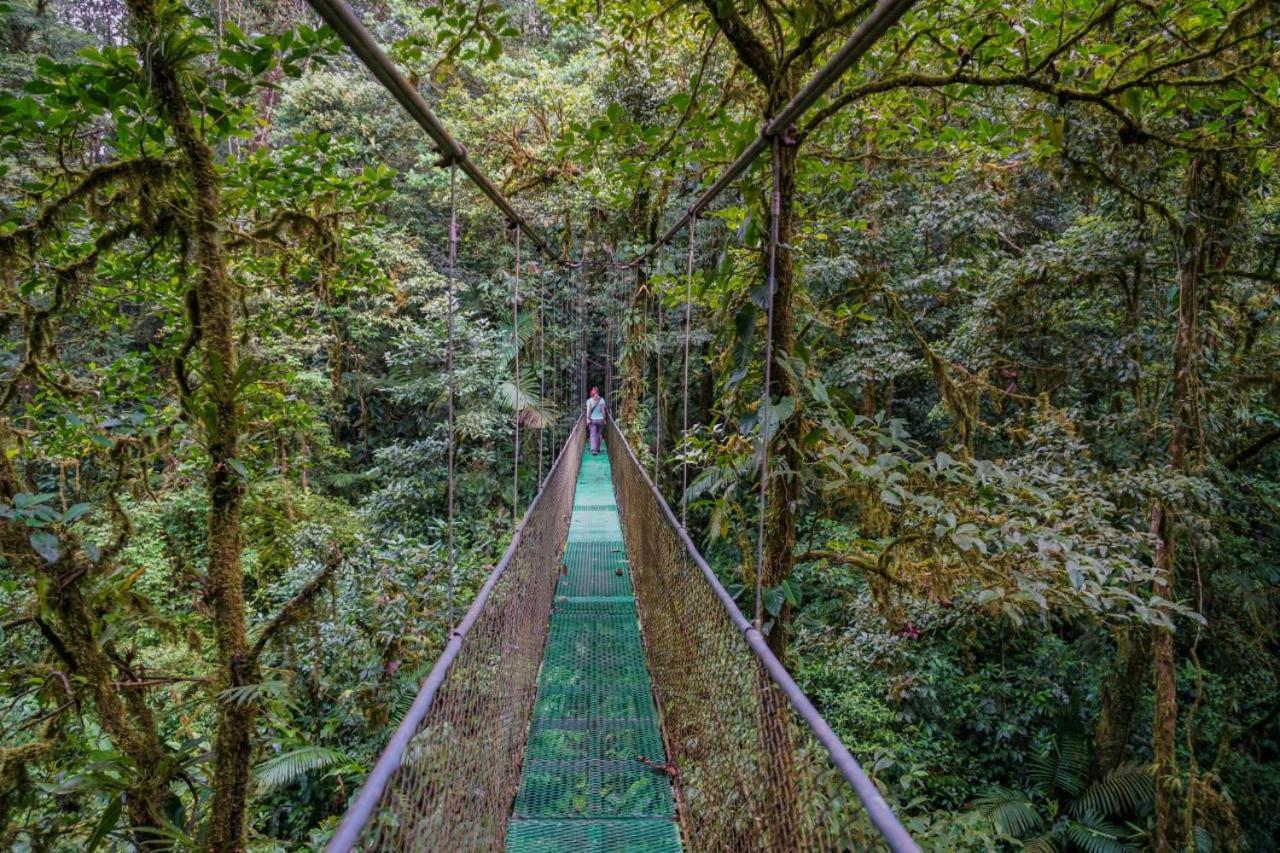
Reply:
x=632, y=367
x=1210, y=210
x=783, y=491
x=74, y=630
x=1165, y=730
x=214, y=327
x=123, y=714
x=1120, y=698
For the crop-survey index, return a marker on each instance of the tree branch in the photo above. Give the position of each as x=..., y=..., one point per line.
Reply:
x=857, y=561
x=746, y=44
x=295, y=604
x=1244, y=454
x=809, y=41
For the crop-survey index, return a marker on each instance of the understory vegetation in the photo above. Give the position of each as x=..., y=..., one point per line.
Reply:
x=1022, y=540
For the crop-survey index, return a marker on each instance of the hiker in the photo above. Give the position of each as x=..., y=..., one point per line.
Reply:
x=595, y=419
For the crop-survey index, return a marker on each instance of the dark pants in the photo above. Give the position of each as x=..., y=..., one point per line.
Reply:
x=597, y=429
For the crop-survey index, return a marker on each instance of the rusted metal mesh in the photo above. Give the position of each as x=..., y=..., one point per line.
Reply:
x=458, y=775
x=751, y=775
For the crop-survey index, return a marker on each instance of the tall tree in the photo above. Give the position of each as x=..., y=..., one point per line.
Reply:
x=1203, y=231
x=211, y=306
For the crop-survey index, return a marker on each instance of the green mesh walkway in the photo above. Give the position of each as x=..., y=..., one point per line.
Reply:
x=583, y=785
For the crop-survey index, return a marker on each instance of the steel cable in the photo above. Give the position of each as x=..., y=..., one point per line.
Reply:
x=452, y=378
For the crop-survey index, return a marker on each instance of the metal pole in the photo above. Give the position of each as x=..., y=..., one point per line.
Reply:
x=766, y=401
x=542, y=373
x=515, y=344
x=657, y=382
x=684, y=436
x=582, y=342
x=452, y=381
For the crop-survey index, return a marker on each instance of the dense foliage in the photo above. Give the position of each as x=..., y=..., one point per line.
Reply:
x=1023, y=542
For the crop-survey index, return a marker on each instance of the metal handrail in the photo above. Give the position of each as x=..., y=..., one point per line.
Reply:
x=878, y=810
x=362, y=808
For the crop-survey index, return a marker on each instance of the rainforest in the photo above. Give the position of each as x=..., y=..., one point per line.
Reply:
x=937, y=504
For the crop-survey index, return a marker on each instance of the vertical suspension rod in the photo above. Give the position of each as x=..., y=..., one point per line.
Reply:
x=684, y=387
x=775, y=211
x=452, y=380
x=542, y=372
x=657, y=381
x=515, y=379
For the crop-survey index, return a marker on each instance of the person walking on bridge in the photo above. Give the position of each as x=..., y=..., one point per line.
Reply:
x=596, y=408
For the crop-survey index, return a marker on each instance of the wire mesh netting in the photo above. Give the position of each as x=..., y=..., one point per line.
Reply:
x=751, y=774
x=593, y=776
x=457, y=778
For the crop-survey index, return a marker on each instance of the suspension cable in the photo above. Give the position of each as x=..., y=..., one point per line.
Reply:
x=618, y=334
x=555, y=373
x=582, y=336
x=775, y=212
x=542, y=375
x=684, y=388
x=608, y=332
x=452, y=378
x=657, y=379
x=515, y=345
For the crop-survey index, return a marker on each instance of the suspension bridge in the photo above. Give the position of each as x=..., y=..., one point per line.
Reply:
x=603, y=690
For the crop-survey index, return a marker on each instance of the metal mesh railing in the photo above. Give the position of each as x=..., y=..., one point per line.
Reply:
x=758, y=768
x=448, y=778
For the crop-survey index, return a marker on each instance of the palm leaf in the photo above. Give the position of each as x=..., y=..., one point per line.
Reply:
x=535, y=413
x=527, y=330
x=1093, y=834
x=1047, y=843
x=287, y=767
x=1010, y=811
x=247, y=693
x=1128, y=789
x=1061, y=768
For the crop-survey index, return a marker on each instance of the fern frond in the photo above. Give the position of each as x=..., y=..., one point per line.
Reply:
x=1010, y=811
x=293, y=765
x=1203, y=840
x=246, y=693
x=1129, y=789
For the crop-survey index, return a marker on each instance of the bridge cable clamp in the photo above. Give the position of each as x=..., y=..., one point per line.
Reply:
x=449, y=158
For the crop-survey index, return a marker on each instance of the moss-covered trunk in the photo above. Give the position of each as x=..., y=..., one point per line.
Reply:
x=1121, y=696
x=213, y=326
